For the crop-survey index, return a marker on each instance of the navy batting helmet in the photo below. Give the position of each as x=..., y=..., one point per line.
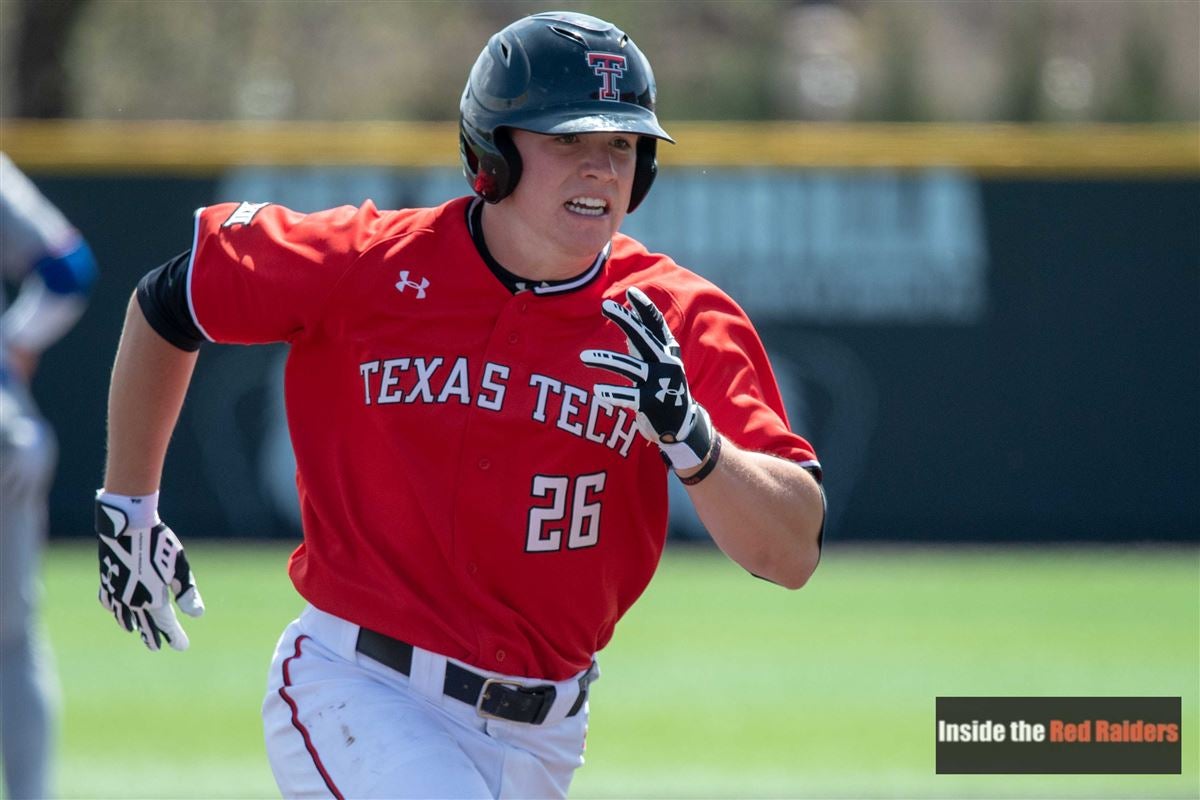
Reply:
x=555, y=73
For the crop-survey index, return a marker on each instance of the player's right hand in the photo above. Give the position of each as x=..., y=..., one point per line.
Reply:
x=140, y=568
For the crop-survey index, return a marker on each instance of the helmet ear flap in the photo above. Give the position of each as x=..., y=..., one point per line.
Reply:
x=493, y=168
x=512, y=163
x=645, y=170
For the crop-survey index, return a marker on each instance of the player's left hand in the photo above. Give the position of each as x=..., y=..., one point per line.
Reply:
x=666, y=412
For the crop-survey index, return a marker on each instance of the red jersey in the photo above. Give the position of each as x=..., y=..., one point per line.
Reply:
x=460, y=487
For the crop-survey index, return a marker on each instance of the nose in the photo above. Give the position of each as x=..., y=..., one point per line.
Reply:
x=598, y=162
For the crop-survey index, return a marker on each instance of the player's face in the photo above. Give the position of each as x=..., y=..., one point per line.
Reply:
x=574, y=190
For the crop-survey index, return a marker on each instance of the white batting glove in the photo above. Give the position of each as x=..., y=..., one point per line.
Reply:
x=666, y=412
x=141, y=564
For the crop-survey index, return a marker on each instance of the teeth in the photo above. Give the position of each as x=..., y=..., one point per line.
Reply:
x=589, y=206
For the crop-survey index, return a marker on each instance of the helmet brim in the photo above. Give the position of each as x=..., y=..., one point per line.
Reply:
x=630, y=119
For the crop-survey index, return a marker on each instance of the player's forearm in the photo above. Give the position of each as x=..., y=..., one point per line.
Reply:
x=764, y=512
x=149, y=381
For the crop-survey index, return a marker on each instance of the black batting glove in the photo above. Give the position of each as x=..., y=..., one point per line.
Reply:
x=140, y=569
x=666, y=412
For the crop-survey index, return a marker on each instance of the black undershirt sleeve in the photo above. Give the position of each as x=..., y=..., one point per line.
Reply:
x=162, y=296
x=825, y=504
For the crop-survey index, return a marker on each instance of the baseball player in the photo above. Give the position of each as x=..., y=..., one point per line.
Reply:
x=485, y=401
x=55, y=269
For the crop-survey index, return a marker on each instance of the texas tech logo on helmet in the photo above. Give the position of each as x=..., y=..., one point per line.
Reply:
x=609, y=67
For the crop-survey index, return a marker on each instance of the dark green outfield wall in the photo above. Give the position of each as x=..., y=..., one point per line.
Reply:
x=1060, y=402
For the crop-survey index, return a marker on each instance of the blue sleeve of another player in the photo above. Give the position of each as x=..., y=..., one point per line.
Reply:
x=70, y=274
x=51, y=299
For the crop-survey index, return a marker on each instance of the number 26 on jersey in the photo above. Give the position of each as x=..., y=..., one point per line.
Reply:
x=574, y=510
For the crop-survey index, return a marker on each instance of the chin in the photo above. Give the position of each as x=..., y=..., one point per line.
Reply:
x=586, y=244
x=589, y=233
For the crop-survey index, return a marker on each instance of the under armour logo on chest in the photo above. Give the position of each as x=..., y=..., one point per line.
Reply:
x=404, y=283
x=661, y=394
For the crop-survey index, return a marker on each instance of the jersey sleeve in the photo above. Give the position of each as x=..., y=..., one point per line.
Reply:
x=263, y=273
x=729, y=374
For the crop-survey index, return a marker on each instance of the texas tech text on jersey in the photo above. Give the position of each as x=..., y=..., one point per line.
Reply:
x=417, y=379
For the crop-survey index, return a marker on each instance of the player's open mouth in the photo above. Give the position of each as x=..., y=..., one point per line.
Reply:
x=587, y=206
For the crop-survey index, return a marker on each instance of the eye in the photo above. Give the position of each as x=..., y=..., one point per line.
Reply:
x=567, y=138
x=622, y=143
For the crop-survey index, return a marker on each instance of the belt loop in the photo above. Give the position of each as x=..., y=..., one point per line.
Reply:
x=585, y=681
x=428, y=673
x=347, y=645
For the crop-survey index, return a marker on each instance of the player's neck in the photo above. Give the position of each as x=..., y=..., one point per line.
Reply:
x=523, y=251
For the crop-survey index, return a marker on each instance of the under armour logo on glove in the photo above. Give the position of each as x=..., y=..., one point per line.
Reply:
x=661, y=395
x=108, y=571
x=140, y=568
x=667, y=416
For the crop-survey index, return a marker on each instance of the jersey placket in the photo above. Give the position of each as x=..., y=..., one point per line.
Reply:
x=481, y=461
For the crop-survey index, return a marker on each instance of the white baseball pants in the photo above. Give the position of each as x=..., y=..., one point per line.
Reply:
x=339, y=724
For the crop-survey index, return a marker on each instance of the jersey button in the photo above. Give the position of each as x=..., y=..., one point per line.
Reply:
x=500, y=655
x=472, y=568
x=513, y=338
x=485, y=464
x=524, y=307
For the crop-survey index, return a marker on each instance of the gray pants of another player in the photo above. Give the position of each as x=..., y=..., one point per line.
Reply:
x=28, y=685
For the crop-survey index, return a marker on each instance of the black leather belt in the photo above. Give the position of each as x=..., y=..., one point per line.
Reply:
x=492, y=697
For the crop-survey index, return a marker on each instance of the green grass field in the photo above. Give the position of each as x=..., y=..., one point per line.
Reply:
x=716, y=684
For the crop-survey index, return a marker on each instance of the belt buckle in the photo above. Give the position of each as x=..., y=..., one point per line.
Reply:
x=544, y=695
x=483, y=695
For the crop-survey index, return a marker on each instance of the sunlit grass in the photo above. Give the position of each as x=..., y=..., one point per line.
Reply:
x=716, y=684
